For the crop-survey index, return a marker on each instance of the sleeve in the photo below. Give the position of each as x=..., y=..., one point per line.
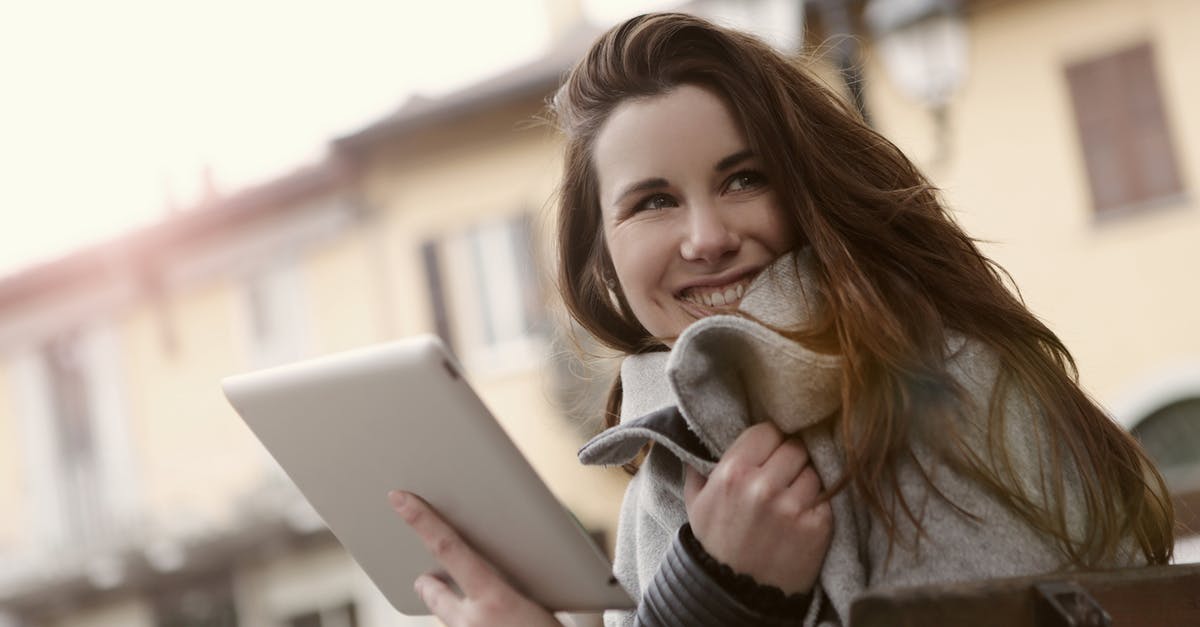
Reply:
x=692, y=589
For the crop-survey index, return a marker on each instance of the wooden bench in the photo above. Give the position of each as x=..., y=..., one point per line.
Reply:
x=1157, y=596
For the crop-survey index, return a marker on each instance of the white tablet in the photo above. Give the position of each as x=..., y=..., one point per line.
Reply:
x=350, y=427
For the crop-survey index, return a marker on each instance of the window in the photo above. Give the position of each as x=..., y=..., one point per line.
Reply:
x=485, y=294
x=273, y=304
x=204, y=602
x=1171, y=436
x=70, y=402
x=1123, y=130
x=431, y=260
x=82, y=479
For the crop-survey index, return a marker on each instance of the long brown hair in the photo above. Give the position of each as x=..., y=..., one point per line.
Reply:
x=896, y=271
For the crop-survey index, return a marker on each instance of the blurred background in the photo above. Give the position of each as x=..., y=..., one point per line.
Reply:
x=192, y=190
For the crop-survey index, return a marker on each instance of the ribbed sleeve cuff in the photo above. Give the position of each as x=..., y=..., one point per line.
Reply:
x=686, y=593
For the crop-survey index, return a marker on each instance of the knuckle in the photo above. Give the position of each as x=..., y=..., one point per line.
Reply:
x=820, y=517
x=759, y=491
x=789, y=508
x=413, y=515
x=729, y=475
x=496, y=605
x=444, y=546
x=809, y=480
x=475, y=614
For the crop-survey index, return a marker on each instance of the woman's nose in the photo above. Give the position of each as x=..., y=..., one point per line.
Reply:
x=708, y=237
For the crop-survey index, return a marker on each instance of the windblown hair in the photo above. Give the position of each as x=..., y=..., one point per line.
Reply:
x=897, y=274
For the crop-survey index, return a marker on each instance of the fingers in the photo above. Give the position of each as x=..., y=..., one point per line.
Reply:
x=471, y=572
x=785, y=464
x=818, y=522
x=754, y=445
x=806, y=487
x=440, y=599
x=785, y=480
x=778, y=457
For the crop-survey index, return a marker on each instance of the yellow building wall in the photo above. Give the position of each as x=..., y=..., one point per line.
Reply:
x=343, y=294
x=1116, y=290
x=195, y=453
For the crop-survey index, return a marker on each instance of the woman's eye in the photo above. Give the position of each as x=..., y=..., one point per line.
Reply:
x=745, y=180
x=657, y=201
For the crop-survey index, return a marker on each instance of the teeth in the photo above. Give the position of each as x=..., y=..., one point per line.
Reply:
x=715, y=298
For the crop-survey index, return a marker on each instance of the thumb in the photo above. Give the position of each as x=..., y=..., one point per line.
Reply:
x=693, y=482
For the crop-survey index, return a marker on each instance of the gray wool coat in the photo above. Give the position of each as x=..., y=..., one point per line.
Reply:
x=725, y=373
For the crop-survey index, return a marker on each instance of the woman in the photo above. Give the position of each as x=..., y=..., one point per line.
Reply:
x=842, y=391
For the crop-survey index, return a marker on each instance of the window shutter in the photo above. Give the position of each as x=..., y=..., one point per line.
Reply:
x=431, y=261
x=1122, y=129
x=533, y=304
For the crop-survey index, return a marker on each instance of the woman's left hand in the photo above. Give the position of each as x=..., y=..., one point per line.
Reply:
x=487, y=599
x=760, y=512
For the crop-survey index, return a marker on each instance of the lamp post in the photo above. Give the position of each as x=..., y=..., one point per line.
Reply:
x=923, y=47
x=835, y=14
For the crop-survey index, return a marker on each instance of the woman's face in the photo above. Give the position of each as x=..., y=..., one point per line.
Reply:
x=689, y=217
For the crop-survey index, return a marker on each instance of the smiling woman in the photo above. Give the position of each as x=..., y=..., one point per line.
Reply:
x=839, y=391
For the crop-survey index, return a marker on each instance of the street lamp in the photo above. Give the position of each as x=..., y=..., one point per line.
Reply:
x=923, y=46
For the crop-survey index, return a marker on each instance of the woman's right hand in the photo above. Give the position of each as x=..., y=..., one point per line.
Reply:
x=758, y=511
x=486, y=598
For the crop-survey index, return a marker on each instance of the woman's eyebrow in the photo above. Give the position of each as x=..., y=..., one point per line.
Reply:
x=641, y=186
x=659, y=183
x=734, y=159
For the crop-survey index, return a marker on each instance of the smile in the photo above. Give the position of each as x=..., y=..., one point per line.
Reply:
x=716, y=296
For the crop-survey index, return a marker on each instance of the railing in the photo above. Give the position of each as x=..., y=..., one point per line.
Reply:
x=1158, y=596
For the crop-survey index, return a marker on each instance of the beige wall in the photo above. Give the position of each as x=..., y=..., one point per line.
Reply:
x=1116, y=290
x=12, y=469
x=343, y=293
x=195, y=453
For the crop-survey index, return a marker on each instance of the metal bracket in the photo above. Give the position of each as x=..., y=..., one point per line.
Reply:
x=1067, y=604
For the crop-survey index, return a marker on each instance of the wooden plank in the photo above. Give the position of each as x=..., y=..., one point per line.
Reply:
x=1166, y=596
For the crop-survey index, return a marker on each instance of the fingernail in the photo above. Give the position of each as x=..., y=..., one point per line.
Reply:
x=397, y=499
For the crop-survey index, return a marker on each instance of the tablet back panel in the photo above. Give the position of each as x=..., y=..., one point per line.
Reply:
x=350, y=427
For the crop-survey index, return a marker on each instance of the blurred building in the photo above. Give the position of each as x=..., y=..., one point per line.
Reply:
x=1072, y=149
x=130, y=494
